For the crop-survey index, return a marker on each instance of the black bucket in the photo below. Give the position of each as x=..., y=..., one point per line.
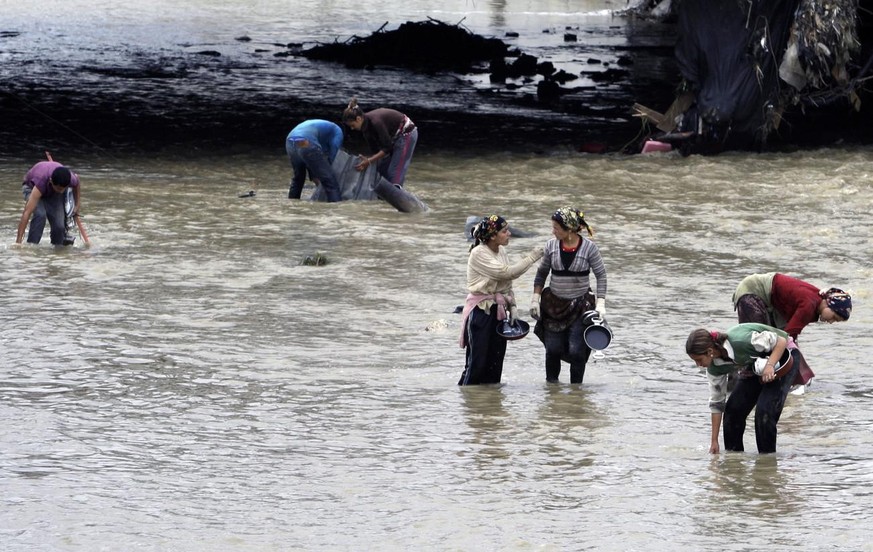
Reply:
x=597, y=333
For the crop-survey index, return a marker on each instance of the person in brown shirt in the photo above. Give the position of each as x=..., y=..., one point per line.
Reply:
x=390, y=135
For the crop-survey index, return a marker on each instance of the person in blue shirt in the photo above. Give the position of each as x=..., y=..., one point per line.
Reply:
x=312, y=146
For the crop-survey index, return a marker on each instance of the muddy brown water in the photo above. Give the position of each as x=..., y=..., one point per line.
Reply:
x=188, y=383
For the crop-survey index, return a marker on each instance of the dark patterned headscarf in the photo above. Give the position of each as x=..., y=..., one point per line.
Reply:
x=838, y=301
x=571, y=219
x=486, y=229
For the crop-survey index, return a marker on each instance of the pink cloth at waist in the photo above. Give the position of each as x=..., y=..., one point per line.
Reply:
x=474, y=299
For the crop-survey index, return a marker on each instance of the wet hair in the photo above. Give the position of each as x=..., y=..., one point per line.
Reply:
x=572, y=220
x=486, y=229
x=61, y=177
x=352, y=111
x=702, y=339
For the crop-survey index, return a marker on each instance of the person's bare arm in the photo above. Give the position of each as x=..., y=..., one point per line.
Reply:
x=29, y=207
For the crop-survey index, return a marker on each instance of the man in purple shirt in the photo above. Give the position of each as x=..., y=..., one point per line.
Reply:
x=44, y=187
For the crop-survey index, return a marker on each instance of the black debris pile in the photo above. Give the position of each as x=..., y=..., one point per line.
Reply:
x=430, y=45
x=433, y=45
x=823, y=41
x=753, y=69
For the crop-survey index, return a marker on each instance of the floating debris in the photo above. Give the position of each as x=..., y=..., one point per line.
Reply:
x=437, y=325
x=316, y=259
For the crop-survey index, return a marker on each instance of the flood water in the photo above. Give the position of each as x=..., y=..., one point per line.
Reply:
x=186, y=383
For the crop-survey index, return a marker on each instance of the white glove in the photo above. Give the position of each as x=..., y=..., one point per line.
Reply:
x=600, y=307
x=535, y=306
x=513, y=315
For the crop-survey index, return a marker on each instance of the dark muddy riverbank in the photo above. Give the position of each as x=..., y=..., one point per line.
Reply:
x=247, y=95
x=206, y=101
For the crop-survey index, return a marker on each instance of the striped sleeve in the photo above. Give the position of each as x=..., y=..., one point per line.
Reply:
x=595, y=261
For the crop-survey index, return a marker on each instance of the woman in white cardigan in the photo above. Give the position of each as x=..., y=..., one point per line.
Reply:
x=489, y=300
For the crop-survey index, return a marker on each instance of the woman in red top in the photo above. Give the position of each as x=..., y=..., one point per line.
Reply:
x=789, y=304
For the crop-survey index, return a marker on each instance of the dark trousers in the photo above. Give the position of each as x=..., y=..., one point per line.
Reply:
x=569, y=344
x=767, y=399
x=485, y=349
x=51, y=208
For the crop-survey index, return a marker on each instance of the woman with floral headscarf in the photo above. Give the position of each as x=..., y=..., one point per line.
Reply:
x=569, y=257
x=490, y=299
x=789, y=304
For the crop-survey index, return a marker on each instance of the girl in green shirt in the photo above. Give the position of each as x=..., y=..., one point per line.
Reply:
x=733, y=355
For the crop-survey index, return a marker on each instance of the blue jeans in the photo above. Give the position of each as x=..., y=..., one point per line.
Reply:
x=306, y=155
x=394, y=167
x=50, y=207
